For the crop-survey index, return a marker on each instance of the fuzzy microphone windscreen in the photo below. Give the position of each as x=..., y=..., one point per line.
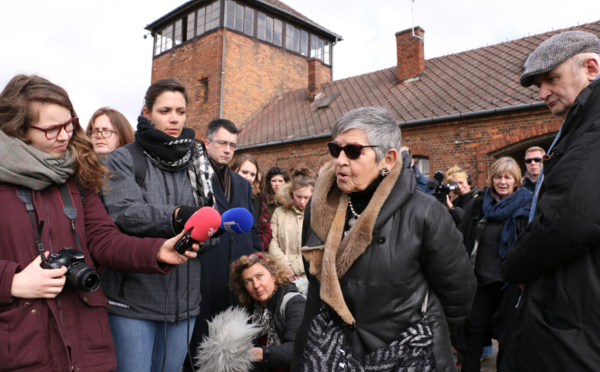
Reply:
x=227, y=346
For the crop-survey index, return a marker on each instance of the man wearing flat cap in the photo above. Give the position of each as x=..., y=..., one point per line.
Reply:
x=558, y=256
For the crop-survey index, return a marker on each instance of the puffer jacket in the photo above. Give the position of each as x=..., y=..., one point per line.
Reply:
x=414, y=249
x=70, y=332
x=286, y=225
x=558, y=255
x=147, y=211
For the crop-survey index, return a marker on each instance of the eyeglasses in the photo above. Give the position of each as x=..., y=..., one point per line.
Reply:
x=106, y=133
x=537, y=160
x=222, y=143
x=54, y=130
x=253, y=257
x=352, y=151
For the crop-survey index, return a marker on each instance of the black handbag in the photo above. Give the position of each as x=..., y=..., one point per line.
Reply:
x=327, y=349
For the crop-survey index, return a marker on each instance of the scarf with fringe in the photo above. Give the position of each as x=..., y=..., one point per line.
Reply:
x=173, y=154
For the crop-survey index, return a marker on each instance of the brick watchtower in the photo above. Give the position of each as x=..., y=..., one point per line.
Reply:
x=235, y=57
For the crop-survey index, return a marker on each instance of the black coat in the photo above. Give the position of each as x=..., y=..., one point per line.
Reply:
x=559, y=256
x=461, y=202
x=216, y=295
x=280, y=356
x=415, y=248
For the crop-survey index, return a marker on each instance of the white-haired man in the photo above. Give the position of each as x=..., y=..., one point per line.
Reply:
x=558, y=255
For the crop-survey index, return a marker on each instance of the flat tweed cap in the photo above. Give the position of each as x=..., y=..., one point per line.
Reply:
x=555, y=51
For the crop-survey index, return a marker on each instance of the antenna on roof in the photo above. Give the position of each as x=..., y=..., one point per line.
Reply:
x=412, y=13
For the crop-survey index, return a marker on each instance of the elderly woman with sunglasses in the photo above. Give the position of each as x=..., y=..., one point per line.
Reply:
x=262, y=282
x=384, y=259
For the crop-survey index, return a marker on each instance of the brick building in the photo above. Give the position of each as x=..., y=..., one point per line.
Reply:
x=465, y=108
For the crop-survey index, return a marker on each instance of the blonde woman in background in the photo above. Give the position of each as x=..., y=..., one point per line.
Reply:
x=286, y=221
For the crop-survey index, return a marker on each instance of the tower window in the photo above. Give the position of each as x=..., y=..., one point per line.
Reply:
x=269, y=29
x=239, y=17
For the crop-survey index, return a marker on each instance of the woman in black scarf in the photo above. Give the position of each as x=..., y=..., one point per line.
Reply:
x=152, y=316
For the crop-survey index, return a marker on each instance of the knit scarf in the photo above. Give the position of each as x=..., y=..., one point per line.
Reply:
x=174, y=154
x=263, y=317
x=25, y=165
x=516, y=205
x=330, y=261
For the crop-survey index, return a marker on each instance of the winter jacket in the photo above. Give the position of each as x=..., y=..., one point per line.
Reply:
x=286, y=225
x=559, y=253
x=460, y=203
x=71, y=331
x=414, y=249
x=147, y=211
x=280, y=356
x=488, y=241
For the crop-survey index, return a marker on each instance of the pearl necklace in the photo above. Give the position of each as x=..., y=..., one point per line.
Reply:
x=355, y=216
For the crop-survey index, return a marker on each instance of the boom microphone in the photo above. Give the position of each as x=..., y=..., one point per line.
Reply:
x=237, y=221
x=202, y=225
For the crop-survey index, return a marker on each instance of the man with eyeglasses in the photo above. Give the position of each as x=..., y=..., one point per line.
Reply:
x=533, y=162
x=558, y=255
x=231, y=191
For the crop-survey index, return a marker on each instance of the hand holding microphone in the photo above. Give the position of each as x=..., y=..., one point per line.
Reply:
x=200, y=227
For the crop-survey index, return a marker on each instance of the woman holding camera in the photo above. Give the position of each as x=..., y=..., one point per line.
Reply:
x=464, y=193
x=45, y=324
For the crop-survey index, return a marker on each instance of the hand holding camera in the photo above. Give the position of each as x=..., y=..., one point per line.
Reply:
x=37, y=282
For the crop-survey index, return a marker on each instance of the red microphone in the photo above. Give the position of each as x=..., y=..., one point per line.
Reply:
x=203, y=224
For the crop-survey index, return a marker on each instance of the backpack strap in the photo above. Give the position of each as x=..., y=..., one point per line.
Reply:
x=139, y=162
x=284, y=302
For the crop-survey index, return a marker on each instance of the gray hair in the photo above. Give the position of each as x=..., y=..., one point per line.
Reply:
x=377, y=123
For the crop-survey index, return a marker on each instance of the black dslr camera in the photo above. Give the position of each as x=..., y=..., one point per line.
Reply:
x=441, y=190
x=79, y=275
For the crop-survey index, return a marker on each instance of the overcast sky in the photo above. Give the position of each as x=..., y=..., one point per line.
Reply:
x=95, y=48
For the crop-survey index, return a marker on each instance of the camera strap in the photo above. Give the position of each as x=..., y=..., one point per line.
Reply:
x=64, y=192
x=26, y=196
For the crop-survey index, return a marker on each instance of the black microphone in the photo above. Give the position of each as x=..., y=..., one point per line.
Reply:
x=201, y=226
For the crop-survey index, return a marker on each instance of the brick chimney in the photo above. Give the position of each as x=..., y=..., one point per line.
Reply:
x=315, y=78
x=411, y=55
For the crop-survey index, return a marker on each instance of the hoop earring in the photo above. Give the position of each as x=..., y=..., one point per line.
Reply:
x=384, y=171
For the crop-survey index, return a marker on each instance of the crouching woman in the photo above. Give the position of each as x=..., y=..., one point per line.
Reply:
x=263, y=285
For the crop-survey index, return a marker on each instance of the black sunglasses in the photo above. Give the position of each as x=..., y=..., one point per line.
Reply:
x=537, y=160
x=352, y=151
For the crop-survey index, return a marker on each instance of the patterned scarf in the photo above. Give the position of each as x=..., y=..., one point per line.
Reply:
x=25, y=165
x=173, y=154
x=263, y=317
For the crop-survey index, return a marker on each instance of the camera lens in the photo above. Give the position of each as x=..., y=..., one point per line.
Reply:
x=83, y=277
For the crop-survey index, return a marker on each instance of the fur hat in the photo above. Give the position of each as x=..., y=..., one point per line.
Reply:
x=555, y=51
x=227, y=346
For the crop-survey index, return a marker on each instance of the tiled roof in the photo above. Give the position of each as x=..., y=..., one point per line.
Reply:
x=186, y=7
x=292, y=11
x=476, y=80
